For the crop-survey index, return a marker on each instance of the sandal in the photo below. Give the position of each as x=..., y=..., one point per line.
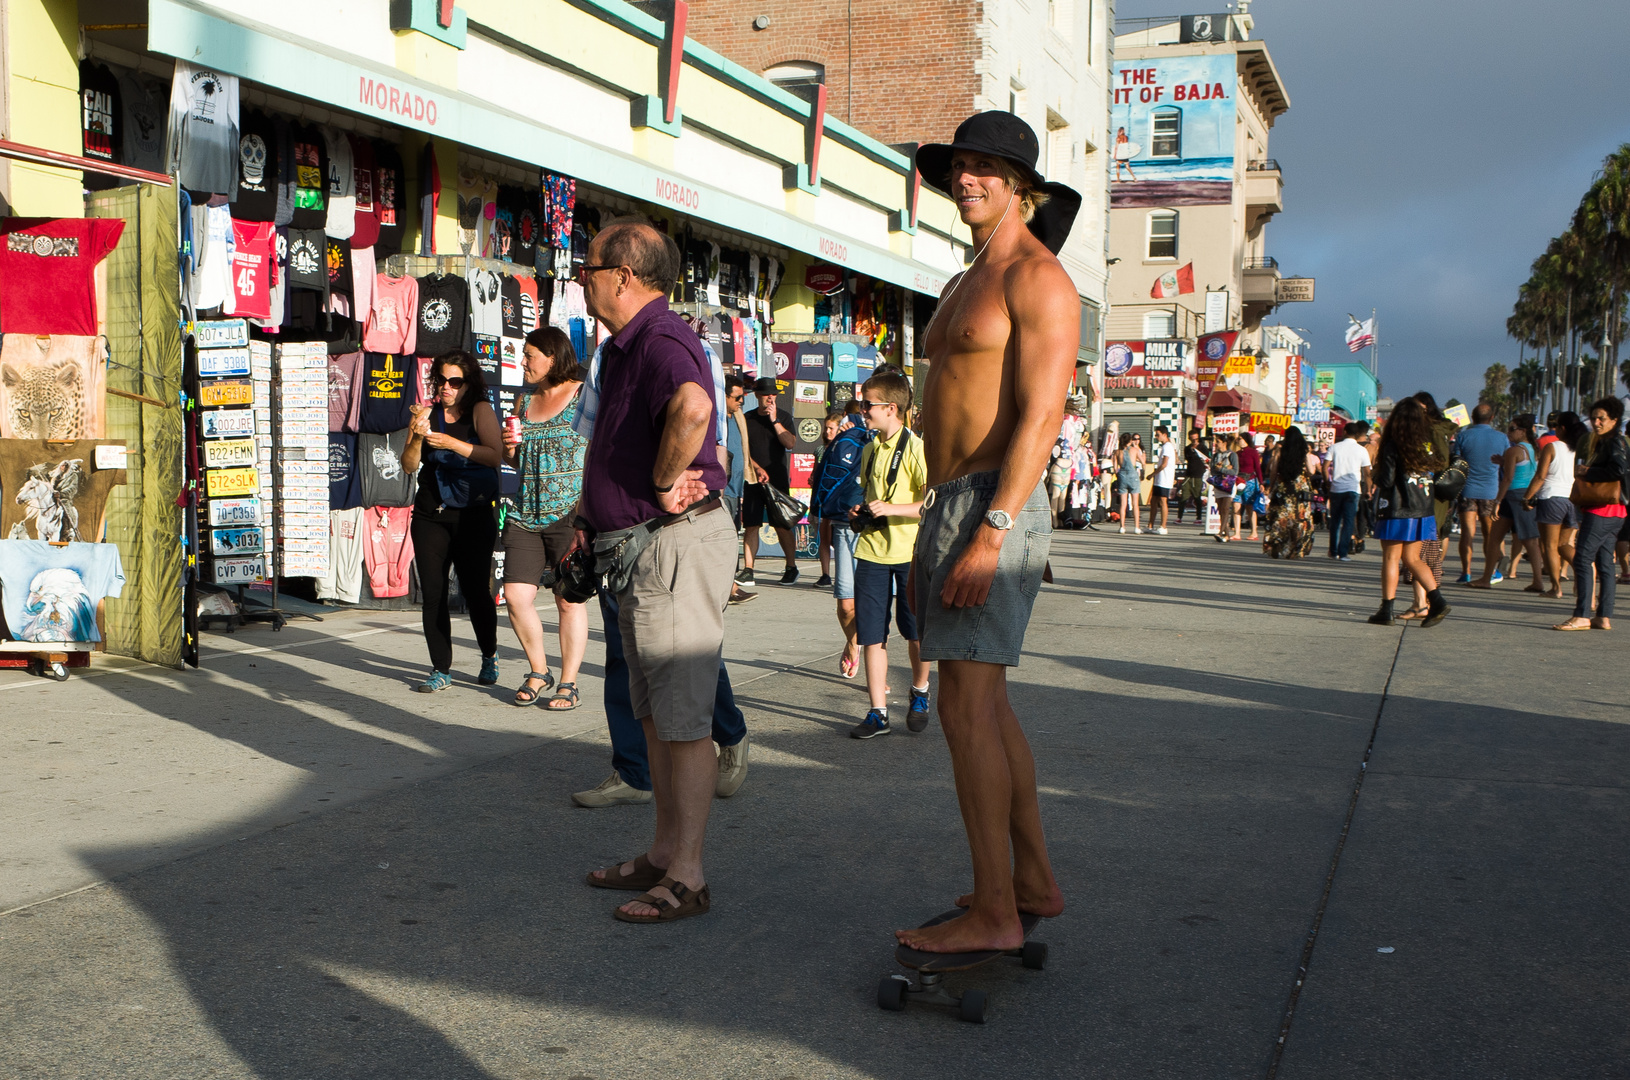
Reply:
x=1572, y=624
x=643, y=876
x=1412, y=613
x=688, y=903
x=846, y=669
x=528, y=696
x=567, y=692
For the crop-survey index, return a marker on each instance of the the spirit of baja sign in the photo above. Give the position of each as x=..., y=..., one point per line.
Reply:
x=397, y=101
x=1173, y=123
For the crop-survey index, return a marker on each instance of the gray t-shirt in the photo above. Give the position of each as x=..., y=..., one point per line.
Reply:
x=203, y=129
x=342, y=185
x=379, y=463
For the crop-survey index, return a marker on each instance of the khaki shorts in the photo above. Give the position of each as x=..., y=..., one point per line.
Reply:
x=672, y=620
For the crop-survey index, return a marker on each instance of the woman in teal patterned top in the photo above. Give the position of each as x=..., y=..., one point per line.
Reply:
x=548, y=455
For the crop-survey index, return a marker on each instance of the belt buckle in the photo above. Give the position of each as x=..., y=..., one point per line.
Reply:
x=928, y=500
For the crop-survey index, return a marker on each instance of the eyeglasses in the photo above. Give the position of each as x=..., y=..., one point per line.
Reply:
x=868, y=406
x=583, y=271
x=456, y=382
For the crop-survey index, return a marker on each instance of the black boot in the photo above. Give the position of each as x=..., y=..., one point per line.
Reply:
x=1383, y=615
x=1436, y=608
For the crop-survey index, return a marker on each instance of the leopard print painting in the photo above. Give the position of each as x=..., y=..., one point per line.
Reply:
x=44, y=401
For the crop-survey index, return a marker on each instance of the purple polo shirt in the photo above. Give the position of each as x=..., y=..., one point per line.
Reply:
x=641, y=368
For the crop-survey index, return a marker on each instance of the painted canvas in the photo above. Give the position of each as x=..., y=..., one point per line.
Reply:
x=52, y=387
x=1173, y=124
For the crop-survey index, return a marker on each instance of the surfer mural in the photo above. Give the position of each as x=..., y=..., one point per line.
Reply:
x=1174, y=131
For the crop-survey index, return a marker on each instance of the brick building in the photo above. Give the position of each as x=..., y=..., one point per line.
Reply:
x=904, y=71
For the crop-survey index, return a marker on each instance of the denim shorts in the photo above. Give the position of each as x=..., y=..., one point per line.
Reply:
x=992, y=633
x=844, y=540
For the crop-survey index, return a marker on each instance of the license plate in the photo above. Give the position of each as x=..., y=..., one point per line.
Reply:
x=237, y=542
x=221, y=334
x=240, y=571
x=229, y=453
x=221, y=483
x=227, y=423
x=238, y=392
x=234, y=511
x=213, y=363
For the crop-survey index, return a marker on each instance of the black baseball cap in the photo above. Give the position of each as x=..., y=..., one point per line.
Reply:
x=1003, y=135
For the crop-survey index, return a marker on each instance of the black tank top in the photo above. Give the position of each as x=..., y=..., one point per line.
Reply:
x=428, y=502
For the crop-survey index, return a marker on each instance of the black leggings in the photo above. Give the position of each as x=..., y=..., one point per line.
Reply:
x=465, y=545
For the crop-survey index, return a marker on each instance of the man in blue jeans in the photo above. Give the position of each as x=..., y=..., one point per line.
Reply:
x=630, y=780
x=1349, y=473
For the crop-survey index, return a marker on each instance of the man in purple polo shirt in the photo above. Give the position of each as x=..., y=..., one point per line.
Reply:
x=651, y=466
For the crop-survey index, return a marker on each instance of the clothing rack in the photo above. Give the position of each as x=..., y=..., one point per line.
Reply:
x=404, y=265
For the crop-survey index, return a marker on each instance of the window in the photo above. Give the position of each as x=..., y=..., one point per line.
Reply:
x=1159, y=325
x=1163, y=234
x=1060, y=152
x=797, y=75
x=1166, y=133
x=1061, y=16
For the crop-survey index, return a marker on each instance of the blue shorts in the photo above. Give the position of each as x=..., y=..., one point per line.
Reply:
x=844, y=540
x=876, y=586
x=1407, y=530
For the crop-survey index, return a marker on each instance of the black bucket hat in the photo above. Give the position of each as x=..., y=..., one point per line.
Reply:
x=1003, y=135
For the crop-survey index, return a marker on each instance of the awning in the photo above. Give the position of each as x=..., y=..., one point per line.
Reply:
x=265, y=54
x=1227, y=400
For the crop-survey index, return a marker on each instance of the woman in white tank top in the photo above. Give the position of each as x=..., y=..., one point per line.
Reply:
x=1548, y=495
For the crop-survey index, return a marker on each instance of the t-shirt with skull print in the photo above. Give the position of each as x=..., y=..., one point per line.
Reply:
x=255, y=198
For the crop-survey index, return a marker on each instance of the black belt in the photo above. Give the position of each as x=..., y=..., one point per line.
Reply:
x=690, y=513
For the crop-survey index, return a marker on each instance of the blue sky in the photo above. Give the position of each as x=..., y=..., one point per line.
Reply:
x=1430, y=152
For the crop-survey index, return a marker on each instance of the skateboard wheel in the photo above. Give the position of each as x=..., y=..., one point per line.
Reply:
x=891, y=994
x=973, y=1006
x=1034, y=955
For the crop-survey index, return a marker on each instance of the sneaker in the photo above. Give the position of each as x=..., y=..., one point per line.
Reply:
x=824, y=581
x=1497, y=578
x=1344, y=558
x=612, y=791
x=489, y=671
x=741, y=596
x=439, y=680
x=875, y=724
x=1161, y=531
x=1123, y=530
x=917, y=718
x=790, y=577
x=1463, y=579
x=732, y=769
x=745, y=577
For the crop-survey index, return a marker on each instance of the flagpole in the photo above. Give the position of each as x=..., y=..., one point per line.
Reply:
x=1375, y=346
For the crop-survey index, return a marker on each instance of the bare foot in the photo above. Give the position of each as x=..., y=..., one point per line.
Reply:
x=1049, y=904
x=968, y=933
x=1412, y=613
x=1601, y=624
x=1555, y=594
x=1480, y=583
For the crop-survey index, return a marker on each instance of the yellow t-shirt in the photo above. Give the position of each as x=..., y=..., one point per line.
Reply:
x=893, y=544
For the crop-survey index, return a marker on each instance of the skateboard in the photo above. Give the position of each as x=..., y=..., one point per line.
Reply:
x=894, y=991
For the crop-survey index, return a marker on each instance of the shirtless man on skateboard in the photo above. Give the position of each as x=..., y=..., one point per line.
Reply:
x=1002, y=347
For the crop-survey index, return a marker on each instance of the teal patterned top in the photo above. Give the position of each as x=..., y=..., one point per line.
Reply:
x=551, y=469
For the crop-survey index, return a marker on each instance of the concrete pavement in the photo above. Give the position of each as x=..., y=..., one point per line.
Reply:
x=313, y=872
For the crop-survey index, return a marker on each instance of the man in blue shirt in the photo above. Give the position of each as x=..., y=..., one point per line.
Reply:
x=1482, y=446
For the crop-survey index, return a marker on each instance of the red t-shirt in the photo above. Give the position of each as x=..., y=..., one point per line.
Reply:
x=252, y=268
x=47, y=273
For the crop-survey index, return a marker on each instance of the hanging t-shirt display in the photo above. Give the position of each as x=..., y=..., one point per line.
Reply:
x=511, y=361
x=486, y=308
x=278, y=303
x=559, y=199
x=429, y=195
x=386, y=392
x=392, y=323
x=308, y=260
x=284, y=145
x=509, y=297
x=203, y=141
x=342, y=185
x=843, y=361
x=528, y=288
x=211, y=284
x=310, y=178
x=444, y=314
x=255, y=197
x=473, y=192
x=344, y=579
x=364, y=168
x=338, y=258
x=47, y=273
x=526, y=227
x=99, y=111
x=388, y=199
x=252, y=243
x=54, y=490
x=51, y=593
x=503, y=224
x=387, y=550
x=141, y=122
x=344, y=391
x=786, y=361
x=487, y=349
x=814, y=361
x=344, y=485
x=379, y=465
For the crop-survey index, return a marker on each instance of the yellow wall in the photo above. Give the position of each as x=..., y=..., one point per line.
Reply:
x=42, y=42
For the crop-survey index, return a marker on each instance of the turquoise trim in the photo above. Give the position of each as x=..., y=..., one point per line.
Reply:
x=797, y=177
x=266, y=54
x=420, y=15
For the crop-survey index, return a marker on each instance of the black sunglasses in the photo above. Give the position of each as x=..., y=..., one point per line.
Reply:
x=585, y=269
x=456, y=382
x=868, y=406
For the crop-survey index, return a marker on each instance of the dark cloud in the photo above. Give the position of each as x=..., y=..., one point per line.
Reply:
x=1430, y=151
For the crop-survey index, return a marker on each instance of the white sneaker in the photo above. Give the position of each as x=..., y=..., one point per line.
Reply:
x=1123, y=530
x=1161, y=531
x=732, y=769
x=612, y=791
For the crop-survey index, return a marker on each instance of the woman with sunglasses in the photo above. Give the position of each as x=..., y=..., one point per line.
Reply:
x=455, y=445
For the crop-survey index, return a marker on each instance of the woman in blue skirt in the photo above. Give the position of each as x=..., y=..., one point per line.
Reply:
x=1403, y=508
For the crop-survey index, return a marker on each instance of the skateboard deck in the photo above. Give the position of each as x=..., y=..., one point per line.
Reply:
x=941, y=962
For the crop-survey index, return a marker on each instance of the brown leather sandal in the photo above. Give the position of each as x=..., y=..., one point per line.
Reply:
x=689, y=903
x=644, y=876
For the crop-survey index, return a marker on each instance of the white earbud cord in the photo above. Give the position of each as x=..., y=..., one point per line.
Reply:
x=945, y=301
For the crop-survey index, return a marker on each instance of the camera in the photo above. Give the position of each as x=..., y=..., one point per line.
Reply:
x=578, y=581
x=862, y=520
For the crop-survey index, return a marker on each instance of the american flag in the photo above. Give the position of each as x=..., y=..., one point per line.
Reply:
x=1360, y=335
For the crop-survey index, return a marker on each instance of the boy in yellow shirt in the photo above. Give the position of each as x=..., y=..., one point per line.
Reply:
x=894, y=478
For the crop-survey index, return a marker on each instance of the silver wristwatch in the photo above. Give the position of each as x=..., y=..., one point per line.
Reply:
x=1000, y=520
